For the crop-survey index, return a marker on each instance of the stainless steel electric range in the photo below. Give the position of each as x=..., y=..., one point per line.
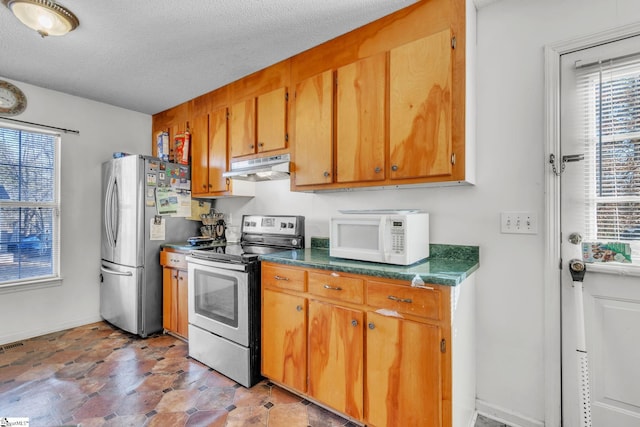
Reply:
x=224, y=295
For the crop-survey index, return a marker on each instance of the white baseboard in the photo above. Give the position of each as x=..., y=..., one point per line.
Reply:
x=505, y=416
x=23, y=335
x=473, y=419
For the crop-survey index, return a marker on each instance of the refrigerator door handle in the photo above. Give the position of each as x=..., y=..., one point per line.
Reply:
x=112, y=212
x=115, y=211
x=108, y=212
x=117, y=273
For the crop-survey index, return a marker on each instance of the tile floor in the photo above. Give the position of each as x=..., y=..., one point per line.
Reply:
x=97, y=375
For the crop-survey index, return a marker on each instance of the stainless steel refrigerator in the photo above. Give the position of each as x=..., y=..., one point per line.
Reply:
x=131, y=275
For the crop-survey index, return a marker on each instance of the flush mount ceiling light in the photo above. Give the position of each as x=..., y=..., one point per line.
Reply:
x=45, y=16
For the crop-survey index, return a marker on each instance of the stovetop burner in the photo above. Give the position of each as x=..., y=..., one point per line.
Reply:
x=260, y=235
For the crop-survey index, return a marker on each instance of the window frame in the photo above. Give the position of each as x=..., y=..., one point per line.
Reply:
x=55, y=279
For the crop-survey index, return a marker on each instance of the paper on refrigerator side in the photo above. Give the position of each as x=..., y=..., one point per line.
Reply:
x=157, y=228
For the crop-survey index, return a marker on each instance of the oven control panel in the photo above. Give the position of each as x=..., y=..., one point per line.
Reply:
x=289, y=225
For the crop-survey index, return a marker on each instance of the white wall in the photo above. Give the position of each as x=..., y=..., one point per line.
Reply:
x=103, y=130
x=510, y=177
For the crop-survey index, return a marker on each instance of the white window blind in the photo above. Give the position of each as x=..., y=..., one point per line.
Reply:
x=29, y=206
x=609, y=94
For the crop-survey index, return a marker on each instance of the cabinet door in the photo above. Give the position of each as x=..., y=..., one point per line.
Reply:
x=200, y=155
x=403, y=372
x=217, y=150
x=313, y=130
x=335, y=357
x=169, y=283
x=242, y=128
x=284, y=339
x=181, y=303
x=360, y=120
x=272, y=108
x=420, y=108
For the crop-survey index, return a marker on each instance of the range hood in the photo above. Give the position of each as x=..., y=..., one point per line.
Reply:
x=261, y=169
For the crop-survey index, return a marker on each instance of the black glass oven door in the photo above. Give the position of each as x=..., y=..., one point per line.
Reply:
x=219, y=302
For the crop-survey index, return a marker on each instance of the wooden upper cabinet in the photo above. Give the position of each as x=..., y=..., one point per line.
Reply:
x=242, y=128
x=258, y=125
x=209, y=153
x=314, y=130
x=420, y=122
x=272, y=120
x=218, y=150
x=360, y=120
x=200, y=155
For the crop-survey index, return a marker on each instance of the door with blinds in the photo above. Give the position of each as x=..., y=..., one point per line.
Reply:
x=600, y=224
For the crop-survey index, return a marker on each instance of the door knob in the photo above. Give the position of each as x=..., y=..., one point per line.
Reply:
x=575, y=238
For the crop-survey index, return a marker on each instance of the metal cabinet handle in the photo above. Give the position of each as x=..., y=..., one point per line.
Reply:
x=371, y=325
x=377, y=169
x=394, y=168
x=354, y=322
x=337, y=288
x=261, y=144
x=407, y=300
x=326, y=174
x=251, y=146
x=299, y=308
x=280, y=277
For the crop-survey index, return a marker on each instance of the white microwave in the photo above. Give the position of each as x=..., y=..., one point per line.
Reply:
x=392, y=237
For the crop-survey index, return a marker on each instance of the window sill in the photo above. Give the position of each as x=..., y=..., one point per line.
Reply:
x=614, y=268
x=29, y=285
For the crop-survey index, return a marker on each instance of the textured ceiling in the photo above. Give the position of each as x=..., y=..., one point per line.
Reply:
x=150, y=55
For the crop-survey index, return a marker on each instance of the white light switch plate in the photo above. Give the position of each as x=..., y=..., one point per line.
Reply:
x=519, y=222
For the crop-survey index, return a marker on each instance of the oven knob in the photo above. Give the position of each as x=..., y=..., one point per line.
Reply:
x=294, y=242
x=290, y=225
x=283, y=225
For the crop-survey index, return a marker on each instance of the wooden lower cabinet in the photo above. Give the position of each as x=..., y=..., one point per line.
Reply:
x=404, y=373
x=284, y=339
x=335, y=367
x=175, y=280
x=375, y=350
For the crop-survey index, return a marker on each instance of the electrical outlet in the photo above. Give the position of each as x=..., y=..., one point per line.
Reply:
x=519, y=222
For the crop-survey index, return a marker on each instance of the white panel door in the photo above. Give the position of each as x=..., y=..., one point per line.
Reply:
x=611, y=290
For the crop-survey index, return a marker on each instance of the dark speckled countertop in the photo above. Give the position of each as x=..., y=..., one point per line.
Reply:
x=447, y=265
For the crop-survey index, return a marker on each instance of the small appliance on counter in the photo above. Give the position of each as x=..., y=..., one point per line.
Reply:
x=213, y=230
x=384, y=235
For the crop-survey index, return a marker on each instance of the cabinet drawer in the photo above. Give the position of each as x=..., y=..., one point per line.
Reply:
x=283, y=278
x=334, y=286
x=173, y=260
x=405, y=299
